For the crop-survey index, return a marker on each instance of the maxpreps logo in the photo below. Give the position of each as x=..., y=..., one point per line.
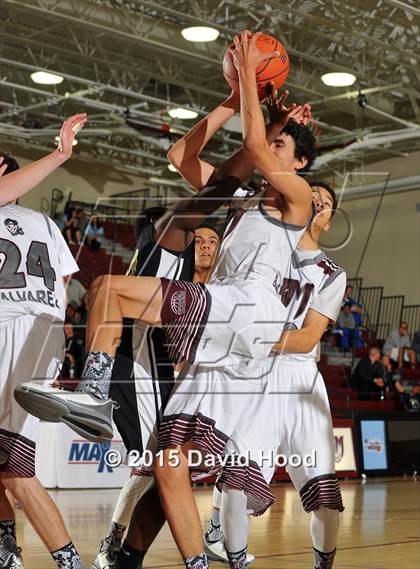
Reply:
x=85, y=452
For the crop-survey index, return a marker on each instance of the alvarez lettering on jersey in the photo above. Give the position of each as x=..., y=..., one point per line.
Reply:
x=41, y=296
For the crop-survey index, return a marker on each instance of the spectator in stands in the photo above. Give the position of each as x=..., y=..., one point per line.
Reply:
x=71, y=310
x=346, y=326
x=74, y=350
x=70, y=225
x=75, y=291
x=84, y=309
x=368, y=376
x=398, y=346
x=82, y=221
x=356, y=307
x=93, y=234
x=415, y=344
x=388, y=374
x=411, y=399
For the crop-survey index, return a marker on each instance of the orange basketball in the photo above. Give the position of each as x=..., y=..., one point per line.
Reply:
x=275, y=69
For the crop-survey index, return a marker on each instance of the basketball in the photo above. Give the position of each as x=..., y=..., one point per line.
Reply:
x=275, y=69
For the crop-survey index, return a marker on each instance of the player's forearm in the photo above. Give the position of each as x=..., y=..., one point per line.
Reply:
x=18, y=183
x=184, y=154
x=296, y=342
x=252, y=119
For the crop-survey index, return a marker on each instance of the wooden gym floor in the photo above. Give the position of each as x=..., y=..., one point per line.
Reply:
x=380, y=528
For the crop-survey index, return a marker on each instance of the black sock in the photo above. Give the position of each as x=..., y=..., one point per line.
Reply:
x=237, y=560
x=323, y=560
x=67, y=558
x=129, y=557
x=197, y=562
x=7, y=527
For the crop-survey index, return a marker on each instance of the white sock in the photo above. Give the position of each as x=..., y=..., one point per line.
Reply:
x=130, y=494
x=234, y=517
x=214, y=532
x=324, y=529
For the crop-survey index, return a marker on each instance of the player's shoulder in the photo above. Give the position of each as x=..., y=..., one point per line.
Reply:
x=328, y=265
x=20, y=220
x=333, y=273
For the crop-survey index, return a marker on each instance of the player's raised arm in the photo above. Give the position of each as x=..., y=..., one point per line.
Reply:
x=294, y=189
x=23, y=180
x=185, y=153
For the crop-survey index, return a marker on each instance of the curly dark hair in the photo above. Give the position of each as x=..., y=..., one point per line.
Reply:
x=330, y=190
x=304, y=140
x=12, y=165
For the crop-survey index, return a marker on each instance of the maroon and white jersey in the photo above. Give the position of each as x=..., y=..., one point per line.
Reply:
x=312, y=281
x=256, y=247
x=34, y=257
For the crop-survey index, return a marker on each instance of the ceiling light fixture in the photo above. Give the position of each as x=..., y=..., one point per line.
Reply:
x=46, y=78
x=180, y=113
x=338, y=79
x=200, y=33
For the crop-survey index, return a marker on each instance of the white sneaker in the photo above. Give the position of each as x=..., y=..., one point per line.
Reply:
x=88, y=416
x=104, y=560
x=216, y=551
x=10, y=554
x=107, y=555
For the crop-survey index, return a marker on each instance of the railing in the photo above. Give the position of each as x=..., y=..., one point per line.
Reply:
x=45, y=205
x=357, y=284
x=136, y=201
x=390, y=312
x=411, y=315
x=56, y=198
x=371, y=297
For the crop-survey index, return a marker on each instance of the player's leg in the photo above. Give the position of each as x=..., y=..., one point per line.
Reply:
x=214, y=533
x=9, y=551
x=45, y=518
x=310, y=432
x=88, y=410
x=112, y=298
x=130, y=494
x=7, y=515
x=235, y=526
x=179, y=505
x=147, y=521
x=325, y=524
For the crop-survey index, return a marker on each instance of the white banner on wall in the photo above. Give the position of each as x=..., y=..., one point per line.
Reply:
x=65, y=460
x=344, y=449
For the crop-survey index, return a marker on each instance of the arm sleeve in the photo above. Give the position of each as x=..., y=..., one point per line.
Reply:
x=68, y=265
x=329, y=298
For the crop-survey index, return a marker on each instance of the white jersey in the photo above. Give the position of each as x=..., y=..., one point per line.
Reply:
x=33, y=259
x=313, y=281
x=256, y=247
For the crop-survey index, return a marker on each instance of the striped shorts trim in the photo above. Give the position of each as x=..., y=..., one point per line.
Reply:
x=182, y=428
x=248, y=479
x=17, y=454
x=322, y=491
x=185, y=311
